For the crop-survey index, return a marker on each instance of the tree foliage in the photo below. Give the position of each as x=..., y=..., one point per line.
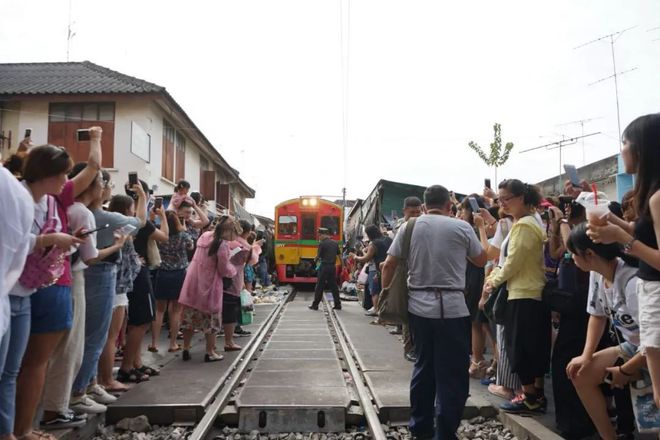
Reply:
x=496, y=157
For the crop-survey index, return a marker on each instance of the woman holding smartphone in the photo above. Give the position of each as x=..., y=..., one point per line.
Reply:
x=100, y=290
x=612, y=292
x=641, y=155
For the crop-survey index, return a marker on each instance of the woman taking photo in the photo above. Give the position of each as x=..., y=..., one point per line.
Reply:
x=612, y=292
x=474, y=283
x=376, y=254
x=641, y=155
x=522, y=274
x=203, y=290
x=169, y=280
x=41, y=310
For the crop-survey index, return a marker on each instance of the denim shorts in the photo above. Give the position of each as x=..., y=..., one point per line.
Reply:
x=629, y=350
x=52, y=309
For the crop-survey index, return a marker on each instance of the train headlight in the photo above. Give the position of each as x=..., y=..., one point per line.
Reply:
x=305, y=202
x=313, y=202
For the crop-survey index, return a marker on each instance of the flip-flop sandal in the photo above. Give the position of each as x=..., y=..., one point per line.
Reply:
x=152, y=349
x=233, y=348
x=149, y=371
x=39, y=434
x=116, y=390
x=132, y=376
x=174, y=350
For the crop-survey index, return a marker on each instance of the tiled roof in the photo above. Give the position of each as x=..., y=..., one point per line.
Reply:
x=68, y=78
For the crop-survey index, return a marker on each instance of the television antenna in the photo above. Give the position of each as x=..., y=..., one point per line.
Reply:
x=559, y=145
x=613, y=37
x=69, y=34
x=581, y=122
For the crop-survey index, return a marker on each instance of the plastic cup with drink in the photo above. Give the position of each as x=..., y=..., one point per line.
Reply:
x=596, y=205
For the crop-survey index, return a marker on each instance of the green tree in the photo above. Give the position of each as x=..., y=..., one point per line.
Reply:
x=497, y=157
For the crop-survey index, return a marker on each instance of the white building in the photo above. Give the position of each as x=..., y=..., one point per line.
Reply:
x=144, y=129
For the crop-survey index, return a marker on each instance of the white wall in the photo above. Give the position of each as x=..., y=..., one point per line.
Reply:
x=33, y=113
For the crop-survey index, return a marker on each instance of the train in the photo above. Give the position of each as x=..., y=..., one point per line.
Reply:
x=296, y=236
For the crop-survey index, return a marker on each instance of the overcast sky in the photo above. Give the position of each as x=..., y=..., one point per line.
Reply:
x=262, y=79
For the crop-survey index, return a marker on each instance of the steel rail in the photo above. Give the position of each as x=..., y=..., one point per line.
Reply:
x=368, y=406
x=236, y=371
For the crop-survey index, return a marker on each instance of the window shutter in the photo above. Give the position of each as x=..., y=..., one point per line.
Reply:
x=207, y=185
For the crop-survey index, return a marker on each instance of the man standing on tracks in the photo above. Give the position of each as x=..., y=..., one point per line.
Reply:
x=327, y=273
x=438, y=315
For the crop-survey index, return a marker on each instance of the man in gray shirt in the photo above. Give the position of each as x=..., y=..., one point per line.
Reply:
x=439, y=319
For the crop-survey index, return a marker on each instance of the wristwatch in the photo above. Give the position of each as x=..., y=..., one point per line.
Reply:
x=627, y=248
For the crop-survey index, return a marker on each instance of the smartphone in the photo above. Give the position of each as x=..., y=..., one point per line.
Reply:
x=572, y=174
x=158, y=203
x=132, y=179
x=83, y=135
x=487, y=183
x=127, y=229
x=100, y=228
x=619, y=361
x=473, y=204
x=234, y=251
x=28, y=132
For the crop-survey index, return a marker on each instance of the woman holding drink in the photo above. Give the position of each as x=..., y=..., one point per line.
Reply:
x=641, y=155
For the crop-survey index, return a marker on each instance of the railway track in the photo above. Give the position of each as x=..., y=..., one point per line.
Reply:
x=281, y=406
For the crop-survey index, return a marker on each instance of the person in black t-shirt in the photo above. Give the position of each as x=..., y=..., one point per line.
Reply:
x=375, y=256
x=141, y=303
x=327, y=274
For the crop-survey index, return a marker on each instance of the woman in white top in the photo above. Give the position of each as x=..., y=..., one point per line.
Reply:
x=612, y=295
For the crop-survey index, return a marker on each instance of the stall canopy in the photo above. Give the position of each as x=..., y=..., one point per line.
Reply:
x=383, y=206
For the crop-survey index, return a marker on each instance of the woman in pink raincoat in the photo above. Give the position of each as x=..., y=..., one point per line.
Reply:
x=242, y=253
x=207, y=277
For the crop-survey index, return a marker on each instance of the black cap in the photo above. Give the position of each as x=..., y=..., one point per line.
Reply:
x=324, y=231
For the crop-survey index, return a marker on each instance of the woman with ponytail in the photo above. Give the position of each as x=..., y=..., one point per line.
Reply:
x=521, y=273
x=203, y=288
x=613, y=294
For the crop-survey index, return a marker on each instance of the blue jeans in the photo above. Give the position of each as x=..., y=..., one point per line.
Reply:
x=100, y=283
x=440, y=382
x=263, y=272
x=17, y=337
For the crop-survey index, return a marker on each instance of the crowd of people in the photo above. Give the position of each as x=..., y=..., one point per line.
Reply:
x=537, y=280
x=85, y=274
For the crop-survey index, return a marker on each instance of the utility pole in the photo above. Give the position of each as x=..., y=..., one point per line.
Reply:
x=559, y=145
x=581, y=122
x=615, y=74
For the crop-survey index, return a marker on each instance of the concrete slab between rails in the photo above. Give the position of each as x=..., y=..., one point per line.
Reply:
x=183, y=390
x=274, y=420
x=387, y=372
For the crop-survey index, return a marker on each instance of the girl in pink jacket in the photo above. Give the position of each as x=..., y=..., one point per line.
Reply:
x=208, y=275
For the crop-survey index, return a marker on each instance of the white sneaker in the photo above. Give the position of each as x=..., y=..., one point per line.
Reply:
x=85, y=405
x=100, y=395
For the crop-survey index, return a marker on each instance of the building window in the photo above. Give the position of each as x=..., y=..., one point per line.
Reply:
x=66, y=118
x=287, y=225
x=180, y=157
x=169, y=135
x=174, y=153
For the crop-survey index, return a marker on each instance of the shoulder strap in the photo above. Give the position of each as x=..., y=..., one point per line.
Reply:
x=407, y=238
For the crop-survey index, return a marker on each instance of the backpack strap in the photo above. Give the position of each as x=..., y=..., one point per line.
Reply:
x=407, y=237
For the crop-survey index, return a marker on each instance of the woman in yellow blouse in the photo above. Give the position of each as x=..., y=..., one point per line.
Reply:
x=521, y=271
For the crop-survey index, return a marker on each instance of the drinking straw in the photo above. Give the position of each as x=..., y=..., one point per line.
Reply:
x=593, y=188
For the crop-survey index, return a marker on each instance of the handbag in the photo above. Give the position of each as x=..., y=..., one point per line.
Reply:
x=646, y=413
x=153, y=254
x=393, y=300
x=495, y=307
x=44, y=267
